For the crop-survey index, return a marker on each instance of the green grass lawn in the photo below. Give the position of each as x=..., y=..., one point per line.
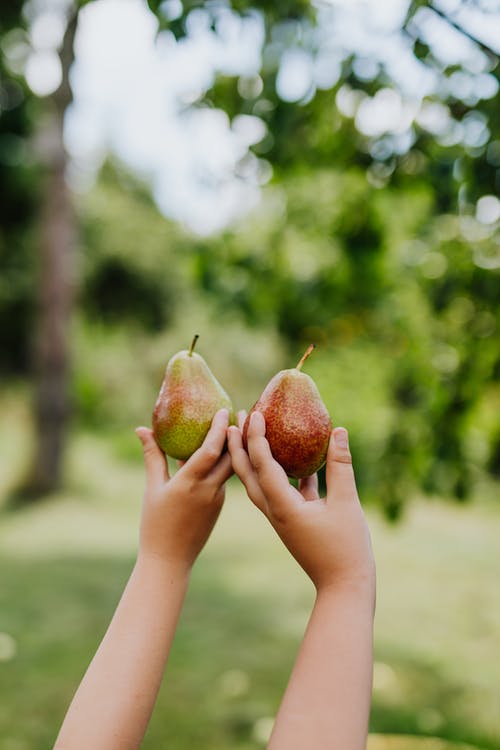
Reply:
x=64, y=563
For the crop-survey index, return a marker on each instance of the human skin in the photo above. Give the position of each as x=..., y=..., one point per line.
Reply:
x=327, y=701
x=113, y=704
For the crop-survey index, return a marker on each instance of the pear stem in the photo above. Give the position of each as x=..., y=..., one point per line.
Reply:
x=193, y=344
x=305, y=356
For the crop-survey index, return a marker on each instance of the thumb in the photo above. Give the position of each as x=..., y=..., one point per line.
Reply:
x=154, y=459
x=340, y=480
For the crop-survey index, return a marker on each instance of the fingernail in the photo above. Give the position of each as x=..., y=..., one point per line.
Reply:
x=341, y=438
x=223, y=412
x=257, y=418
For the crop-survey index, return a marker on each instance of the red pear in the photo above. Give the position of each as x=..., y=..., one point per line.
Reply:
x=298, y=425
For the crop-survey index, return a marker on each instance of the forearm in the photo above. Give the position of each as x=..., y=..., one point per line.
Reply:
x=327, y=701
x=114, y=702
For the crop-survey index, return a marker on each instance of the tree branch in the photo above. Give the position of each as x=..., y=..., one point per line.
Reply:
x=64, y=96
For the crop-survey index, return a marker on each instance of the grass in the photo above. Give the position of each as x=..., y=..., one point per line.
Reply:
x=65, y=562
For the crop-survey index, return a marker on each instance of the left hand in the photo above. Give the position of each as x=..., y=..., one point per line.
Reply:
x=179, y=513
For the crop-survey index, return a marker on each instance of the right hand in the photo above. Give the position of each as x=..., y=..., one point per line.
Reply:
x=328, y=537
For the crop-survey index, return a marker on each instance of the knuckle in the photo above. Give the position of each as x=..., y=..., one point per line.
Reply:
x=342, y=458
x=240, y=470
x=261, y=474
x=211, y=452
x=149, y=449
x=259, y=464
x=278, y=517
x=278, y=514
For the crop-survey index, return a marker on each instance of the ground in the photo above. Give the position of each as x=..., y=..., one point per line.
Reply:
x=64, y=563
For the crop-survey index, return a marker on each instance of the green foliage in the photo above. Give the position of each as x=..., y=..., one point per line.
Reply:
x=121, y=340
x=326, y=259
x=370, y=249
x=408, y=269
x=130, y=272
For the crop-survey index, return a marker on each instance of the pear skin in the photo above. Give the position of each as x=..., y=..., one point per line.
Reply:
x=298, y=425
x=189, y=397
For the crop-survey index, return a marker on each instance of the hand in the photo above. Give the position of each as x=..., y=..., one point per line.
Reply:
x=328, y=537
x=180, y=512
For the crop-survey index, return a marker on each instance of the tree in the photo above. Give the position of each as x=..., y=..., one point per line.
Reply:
x=55, y=290
x=337, y=180
x=18, y=188
x=444, y=262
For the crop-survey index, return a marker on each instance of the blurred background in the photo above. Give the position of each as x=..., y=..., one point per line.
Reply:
x=265, y=175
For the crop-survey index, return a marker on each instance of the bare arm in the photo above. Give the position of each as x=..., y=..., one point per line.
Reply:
x=327, y=701
x=113, y=704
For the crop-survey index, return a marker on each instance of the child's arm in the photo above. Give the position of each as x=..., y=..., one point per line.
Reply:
x=114, y=702
x=327, y=702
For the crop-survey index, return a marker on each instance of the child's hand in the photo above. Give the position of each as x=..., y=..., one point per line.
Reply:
x=328, y=537
x=180, y=512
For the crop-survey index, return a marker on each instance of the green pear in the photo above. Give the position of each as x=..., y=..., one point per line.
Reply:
x=298, y=425
x=189, y=397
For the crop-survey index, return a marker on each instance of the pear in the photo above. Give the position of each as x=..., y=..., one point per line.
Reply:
x=189, y=397
x=298, y=425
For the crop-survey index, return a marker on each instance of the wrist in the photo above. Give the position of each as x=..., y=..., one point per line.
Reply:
x=170, y=570
x=360, y=588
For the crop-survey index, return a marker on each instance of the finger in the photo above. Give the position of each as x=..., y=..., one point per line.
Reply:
x=242, y=415
x=308, y=487
x=244, y=469
x=340, y=480
x=272, y=478
x=154, y=458
x=204, y=459
x=222, y=470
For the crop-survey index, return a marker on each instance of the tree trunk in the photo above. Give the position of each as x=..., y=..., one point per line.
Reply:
x=51, y=349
